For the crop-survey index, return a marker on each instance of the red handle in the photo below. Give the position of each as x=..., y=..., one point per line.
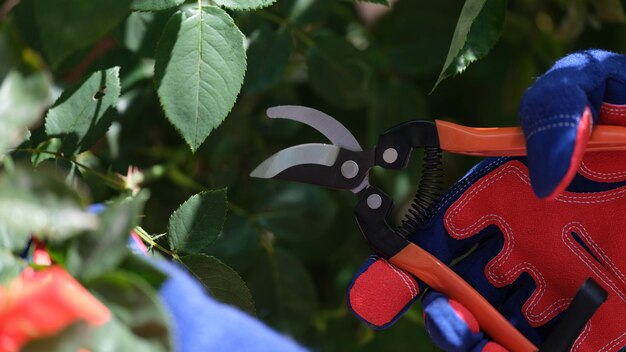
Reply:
x=437, y=275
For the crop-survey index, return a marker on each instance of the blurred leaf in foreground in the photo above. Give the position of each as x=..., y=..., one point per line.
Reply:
x=23, y=98
x=136, y=306
x=41, y=204
x=104, y=248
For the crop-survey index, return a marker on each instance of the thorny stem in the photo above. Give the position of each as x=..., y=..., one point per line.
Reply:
x=145, y=236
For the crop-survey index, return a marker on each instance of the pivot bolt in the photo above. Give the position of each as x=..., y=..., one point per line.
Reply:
x=349, y=169
x=374, y=201
x=390, y=155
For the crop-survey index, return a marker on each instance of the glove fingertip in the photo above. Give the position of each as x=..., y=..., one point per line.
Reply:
x=380, y=293
x=554, y=156
x=449, y=324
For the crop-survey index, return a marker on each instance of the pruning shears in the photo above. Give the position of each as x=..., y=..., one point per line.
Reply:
x=345, y=165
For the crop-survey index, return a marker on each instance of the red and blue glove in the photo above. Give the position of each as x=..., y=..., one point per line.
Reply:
x=199, y=323
x=529, y=255
x=558, y=112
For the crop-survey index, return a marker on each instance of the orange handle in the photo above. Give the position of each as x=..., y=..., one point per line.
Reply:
x=509, y=141
x=437, y=275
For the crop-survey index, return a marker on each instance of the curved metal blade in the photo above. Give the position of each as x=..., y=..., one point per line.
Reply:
x=312, y=153
x=337, y=133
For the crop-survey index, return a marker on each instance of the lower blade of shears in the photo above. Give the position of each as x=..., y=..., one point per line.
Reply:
x=303, y=154
x=324, y=165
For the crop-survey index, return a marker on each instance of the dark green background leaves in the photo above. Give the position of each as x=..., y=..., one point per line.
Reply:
x=126, y=71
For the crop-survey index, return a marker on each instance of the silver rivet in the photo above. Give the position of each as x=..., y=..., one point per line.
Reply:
x=349, y=169
x=390, y=155
x=374, y=201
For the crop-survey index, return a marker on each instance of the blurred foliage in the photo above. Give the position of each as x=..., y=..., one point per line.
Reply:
x=295, y=246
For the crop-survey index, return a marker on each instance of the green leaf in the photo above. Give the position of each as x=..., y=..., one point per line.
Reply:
x=23, y=98
x=284, y=291
x=238, y=244
x=476, y=32
x=244, y=4
x=199, y=70
x=136, y=307
x=65, y=26
x=298, y=212
x=82, y=114
x=197, y=222
x=154, y=5
x=145, y=268
x=115, y=336
x=41, y=204
x=46, y=150
x=337, y=72
x=70, y=339
x=10, y=266
x=99, y=251
x=220, y=280
x=268, y=56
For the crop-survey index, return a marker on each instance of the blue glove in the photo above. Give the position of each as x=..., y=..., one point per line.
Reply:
x=200, y=323
x=530, y=255
x=559, y=110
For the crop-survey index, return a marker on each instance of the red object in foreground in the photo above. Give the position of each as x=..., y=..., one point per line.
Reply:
x=43, y=303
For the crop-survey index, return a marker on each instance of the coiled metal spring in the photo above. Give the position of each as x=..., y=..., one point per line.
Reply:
x=428, y=192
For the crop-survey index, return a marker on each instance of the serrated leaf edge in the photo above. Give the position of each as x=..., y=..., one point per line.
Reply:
x=246, y=8
x=245, y=69
x=251, y=299
x=221, y=228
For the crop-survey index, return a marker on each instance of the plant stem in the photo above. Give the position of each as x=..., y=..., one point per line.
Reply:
x=145, y=236
x=114, y=183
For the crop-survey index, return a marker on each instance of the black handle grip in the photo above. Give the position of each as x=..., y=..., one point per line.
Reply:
x=587, y=300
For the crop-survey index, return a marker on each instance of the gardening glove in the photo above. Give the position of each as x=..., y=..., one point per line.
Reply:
x=530, y=255
x=559, y=110
x=200, y=323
